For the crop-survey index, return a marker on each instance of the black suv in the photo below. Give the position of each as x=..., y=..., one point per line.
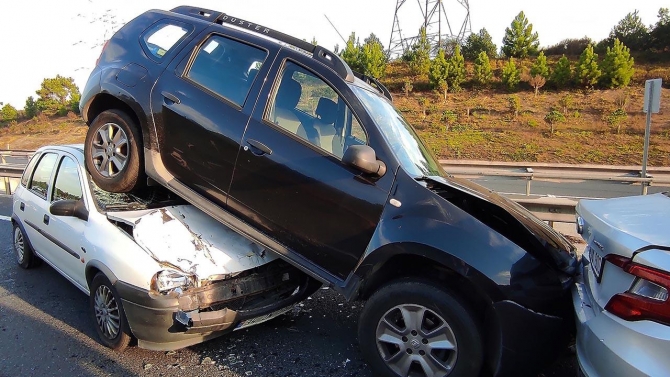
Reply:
x=279, y=140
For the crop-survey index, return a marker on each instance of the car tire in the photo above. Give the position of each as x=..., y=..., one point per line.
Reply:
x=113, y=152
x=107, y=313
x=25, y=256
x=439, y=321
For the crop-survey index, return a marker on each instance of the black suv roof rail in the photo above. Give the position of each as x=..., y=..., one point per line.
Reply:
x=202, y=13
x=323, y=55
x=373, y=82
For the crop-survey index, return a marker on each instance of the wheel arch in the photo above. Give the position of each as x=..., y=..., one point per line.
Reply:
x=419, y=262
x=105, y=101
x=95, y=266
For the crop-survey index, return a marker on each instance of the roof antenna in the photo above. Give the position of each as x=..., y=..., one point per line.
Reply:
x=338, y=33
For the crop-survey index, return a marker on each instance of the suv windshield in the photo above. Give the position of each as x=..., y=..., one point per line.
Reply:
x=413, y=155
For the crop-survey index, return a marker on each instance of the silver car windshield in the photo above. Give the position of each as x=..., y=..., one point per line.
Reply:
x=410, y=151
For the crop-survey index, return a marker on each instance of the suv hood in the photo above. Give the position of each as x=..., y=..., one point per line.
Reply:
x=626, y=225
x=509, y=219
x=184, y=238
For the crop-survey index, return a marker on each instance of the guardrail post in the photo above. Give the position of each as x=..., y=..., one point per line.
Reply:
x=530, y=178
x=645, y=185
x=8, y=186
x=2, y=157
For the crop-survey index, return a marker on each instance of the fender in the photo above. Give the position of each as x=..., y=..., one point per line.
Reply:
x=427, y=225
x=102, y=268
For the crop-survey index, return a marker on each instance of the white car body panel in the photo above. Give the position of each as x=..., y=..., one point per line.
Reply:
x=634, y=227
x=185, y=238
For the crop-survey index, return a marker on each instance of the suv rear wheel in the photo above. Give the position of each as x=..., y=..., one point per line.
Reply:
x=417, y=328
x=113, y=153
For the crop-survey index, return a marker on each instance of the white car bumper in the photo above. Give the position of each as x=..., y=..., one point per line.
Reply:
x=608, y=346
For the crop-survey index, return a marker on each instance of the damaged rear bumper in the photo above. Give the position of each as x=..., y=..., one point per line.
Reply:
x=168, y=322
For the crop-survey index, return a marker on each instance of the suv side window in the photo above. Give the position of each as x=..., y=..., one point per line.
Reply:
x=40, y=182
x=226, y=67
x=68, y=184
x=305, y=105
x=162, y=37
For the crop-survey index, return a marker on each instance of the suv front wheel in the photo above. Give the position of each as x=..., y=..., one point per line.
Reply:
x=113, y=152
x=416, y=328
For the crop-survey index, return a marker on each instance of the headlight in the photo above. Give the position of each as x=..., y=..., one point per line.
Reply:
x=169, y=279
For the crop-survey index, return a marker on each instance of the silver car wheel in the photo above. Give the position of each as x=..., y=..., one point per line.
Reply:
x=107, y=312
x=415, y=341
x=110, y=150
x=19, y=246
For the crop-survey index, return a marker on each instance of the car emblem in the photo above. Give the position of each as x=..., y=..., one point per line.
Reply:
x=415, y=344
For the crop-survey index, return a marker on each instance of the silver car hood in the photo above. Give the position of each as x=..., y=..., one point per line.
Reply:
x=625, y=225
x=185, y=238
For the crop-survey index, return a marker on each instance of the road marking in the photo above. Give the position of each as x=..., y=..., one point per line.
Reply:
x=5, y=218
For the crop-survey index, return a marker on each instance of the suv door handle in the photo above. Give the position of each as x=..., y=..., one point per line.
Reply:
x=171, y=97
x=22, y=206
x=259, y=148
x=46, y=219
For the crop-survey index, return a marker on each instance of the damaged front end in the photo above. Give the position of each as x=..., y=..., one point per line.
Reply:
x=212, y=280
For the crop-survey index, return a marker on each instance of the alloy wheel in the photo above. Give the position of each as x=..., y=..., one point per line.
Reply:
x=107, y=312
x=19, y=246
x=415, y=341
x=110, y=150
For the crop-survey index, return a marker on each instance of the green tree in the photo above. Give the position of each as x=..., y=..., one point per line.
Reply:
x=456, y=74
x=352, y=53
x=483, y=71
x=477, y=43
x=617, y=67
x=587, y=72
x=372, y=57
x=540, y=67
x=58, y=95
x=660, y=35
x=562, y=73
x=519, y=40
x=420, y=55
x=511, y=76
x=8, y=113
x=631, y=31
x=438, y=73
x=314, y=42
x=30, y=108
x=553, y=117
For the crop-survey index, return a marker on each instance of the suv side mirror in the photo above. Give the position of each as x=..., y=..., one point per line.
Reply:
x=364, y=158
x=73, y=208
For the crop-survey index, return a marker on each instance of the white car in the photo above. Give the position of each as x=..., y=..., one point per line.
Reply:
x=154, y=268
x=621, y=302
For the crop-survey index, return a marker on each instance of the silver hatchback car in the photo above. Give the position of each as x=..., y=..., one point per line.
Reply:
x=621, y=300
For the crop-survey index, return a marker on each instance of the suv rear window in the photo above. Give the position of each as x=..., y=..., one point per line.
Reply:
x=227, y=67
x=162, y=37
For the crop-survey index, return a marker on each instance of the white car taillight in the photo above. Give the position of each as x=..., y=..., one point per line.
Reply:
x=645, y=288
x=647, y=298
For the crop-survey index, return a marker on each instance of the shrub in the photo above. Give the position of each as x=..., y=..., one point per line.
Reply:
x=616, y=117
x=562, y=73
x=617, y=67
x=514, y=104
x=483, y=71
x=553, y=117
x=587, y=71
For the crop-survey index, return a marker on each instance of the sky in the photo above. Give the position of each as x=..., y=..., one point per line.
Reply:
x=43, y=38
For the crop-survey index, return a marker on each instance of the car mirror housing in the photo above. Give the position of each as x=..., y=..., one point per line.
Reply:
x=72, y=208
x=364, y=158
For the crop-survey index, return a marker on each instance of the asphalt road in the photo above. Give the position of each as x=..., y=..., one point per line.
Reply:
x=45, y=330
x=582, y=189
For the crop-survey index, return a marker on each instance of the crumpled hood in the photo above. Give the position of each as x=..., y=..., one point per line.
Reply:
x=509, y=219
x=185, y=238
x=632, y=222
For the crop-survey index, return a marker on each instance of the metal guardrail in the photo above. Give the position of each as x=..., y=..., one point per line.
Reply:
x=532, y=170
x=12, y=170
